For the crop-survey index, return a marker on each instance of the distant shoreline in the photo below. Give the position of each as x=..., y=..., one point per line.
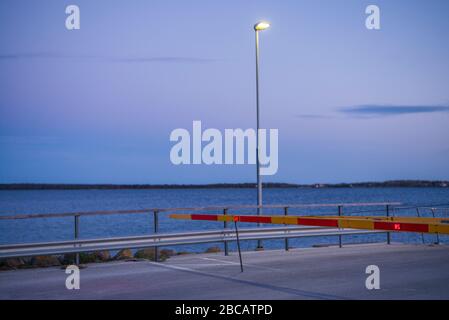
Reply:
x=385, y=184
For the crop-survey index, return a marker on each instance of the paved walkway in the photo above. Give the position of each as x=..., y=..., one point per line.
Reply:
x=406, y=272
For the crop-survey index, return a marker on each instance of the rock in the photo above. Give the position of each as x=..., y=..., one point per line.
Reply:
x=124, y=254
x=320, y=245
x=168, y=252
x=213, y=250
x=27, y=260
x=102, y=255
x=45, y=261
x=181, y=253
x=87, y=257
x=149, y=254
x=97, y=256
x=15, y=263
x=67, y=259
x=145, y=254
x=12, y=263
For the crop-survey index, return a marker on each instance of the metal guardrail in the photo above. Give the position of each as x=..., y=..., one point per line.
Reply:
x=158, y=239
x=77, y=246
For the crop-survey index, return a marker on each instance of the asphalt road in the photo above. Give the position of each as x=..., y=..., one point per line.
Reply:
x=406, y=272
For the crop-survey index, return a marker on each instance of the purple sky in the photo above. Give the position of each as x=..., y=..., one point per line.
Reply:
x=97, y=105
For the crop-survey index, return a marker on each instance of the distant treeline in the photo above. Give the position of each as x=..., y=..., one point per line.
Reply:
x=385, y=184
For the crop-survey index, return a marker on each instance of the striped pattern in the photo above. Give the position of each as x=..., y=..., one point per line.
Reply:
x=394, y=224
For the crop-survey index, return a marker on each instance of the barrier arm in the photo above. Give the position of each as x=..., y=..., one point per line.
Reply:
x=395, y=224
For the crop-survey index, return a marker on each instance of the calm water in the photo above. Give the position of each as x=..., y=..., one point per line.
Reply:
x=56, y=201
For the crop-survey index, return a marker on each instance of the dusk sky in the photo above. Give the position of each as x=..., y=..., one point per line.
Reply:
x=97, y=105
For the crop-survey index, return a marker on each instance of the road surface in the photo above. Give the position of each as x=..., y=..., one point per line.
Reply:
x=406, y=272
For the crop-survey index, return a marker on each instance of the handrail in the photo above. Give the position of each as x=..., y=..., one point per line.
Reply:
x=419, y=207
x=213, y=208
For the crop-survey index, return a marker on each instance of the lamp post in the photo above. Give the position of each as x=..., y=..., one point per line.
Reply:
x=260, y=26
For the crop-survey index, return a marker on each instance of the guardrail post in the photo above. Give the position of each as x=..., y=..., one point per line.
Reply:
x=340, y=210
x=225, y=225
x=77, y=232
x=156, y=230
x=259, y=242
x=286, y=239
x=388, y=233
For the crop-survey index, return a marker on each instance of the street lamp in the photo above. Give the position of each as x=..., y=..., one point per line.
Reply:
x=260, y=26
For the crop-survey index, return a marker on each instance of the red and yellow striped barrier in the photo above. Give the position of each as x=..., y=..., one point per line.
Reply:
x=395, y=224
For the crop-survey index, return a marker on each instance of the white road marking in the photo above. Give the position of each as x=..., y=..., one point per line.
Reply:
x=244, y=264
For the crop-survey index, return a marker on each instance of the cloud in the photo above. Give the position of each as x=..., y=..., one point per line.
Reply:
x=391, y=110
x=53, y=55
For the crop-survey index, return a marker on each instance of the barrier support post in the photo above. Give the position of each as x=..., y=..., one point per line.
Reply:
x=286, y=239
x=340, y=211
x=238, y=243
x=225, y=225
x=156, y=230
x=77, y=232
x=388, y=233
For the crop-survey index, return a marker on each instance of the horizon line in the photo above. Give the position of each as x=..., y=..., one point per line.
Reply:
x=386, y=183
